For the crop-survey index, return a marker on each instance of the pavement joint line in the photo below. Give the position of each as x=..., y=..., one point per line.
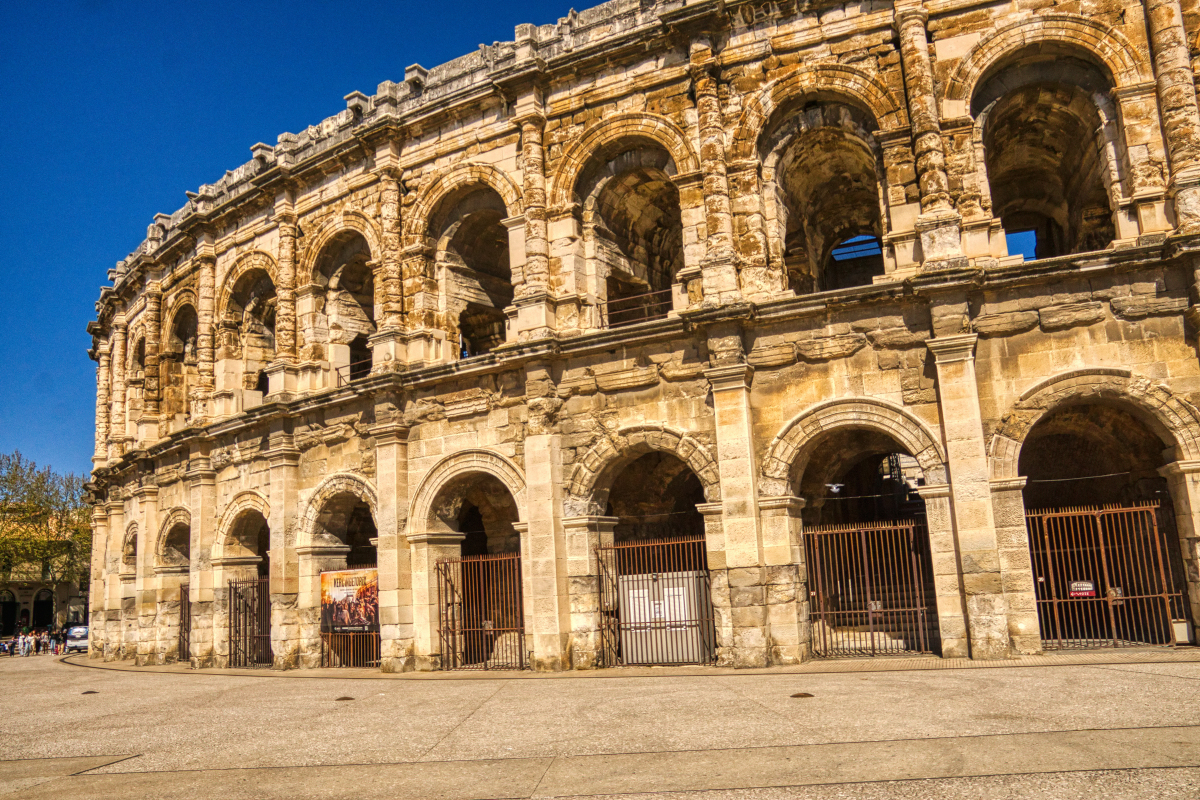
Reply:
x=545, y=772
x=102, y=766
x=552, y=758
x=1113, y=668
x=463, y=721
x=795, y=786
x=835, y=667
x=120, y=756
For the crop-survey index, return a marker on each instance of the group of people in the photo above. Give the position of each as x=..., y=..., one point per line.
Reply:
x=34, y=643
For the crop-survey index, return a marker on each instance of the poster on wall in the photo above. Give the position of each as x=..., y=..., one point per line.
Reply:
x=350, y=601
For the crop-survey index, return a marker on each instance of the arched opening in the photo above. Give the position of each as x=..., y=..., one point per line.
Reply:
x=247, y=551
x=632, y=231
x=656, y=592
x=136, y=381
x=247, y=330
x=475, y=274
x=870, y=571
x=1105, y=549
x=821, y=166
x=345, y=283
x=8, y=613
x=43, y=610
x=129, y=553
x=178, y=365
x=177, y=546
x=346, y=520
x=1051, y=143
x=482, y=616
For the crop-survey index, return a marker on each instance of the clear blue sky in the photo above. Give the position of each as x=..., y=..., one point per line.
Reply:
x=111, y=111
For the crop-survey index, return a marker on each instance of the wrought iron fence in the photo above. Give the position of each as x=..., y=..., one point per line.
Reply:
x=481, y=615
x=636, y=308
x=185, y=624
x=350, y=649
x=353, y=372
x=656, y=603
x=871, y=589
x=250, y=623
x=1105, y=577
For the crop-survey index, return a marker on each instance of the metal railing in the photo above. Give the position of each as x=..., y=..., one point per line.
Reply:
x=1104, y=577
x=656, y=603
x=481, y=614
x=353, y=372
x=871, y=589
x=184, y=652
x=350, y=649
x=636, y=308
x=250, y=623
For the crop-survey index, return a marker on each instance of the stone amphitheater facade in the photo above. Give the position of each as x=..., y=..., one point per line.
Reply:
x=600, y=273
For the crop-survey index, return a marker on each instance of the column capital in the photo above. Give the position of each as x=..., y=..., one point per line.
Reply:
x=735, y=376
x=593, y=521
x=907, y=14
x=436, y=537
x=935, y=491
x=947, y=349
x=1190, y=467
x=1008, y=484
x=390, y=433
x=792, y=505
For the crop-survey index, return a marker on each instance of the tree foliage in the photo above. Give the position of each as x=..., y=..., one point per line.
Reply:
x=45, y=530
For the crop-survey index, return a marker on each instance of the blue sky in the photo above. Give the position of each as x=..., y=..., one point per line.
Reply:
x=111, y=111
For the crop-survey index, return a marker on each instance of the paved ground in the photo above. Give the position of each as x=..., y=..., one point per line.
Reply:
x=1128, y=728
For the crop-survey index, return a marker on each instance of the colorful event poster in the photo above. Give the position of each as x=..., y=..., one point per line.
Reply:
x=350, y=601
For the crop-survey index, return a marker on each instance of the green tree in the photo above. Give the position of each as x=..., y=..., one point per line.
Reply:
x=45, y=531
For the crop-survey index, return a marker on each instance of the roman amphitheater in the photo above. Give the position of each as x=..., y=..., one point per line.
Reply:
x=727, y=333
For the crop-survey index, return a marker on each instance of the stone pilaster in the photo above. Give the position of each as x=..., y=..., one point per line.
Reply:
x=116, y=434
x=395, y=562
x=939, y=225
x=145, y=587
x=202, y=491
x=205, y=320
x=97, y=600
x=103, y=404
x=543, y=549
x=169, y=581
x=975, y=527
x=1183, y=480
x=786, y=580
x=286, y=618
x=720, y=277
x=739, y=500
x=285, y=289
x=426, y=548
x=943, y=549
x=389, y=257
x=533, y=301
x=583, y=535
x=151, y=388
x=1177, y=104
x=1016, y=565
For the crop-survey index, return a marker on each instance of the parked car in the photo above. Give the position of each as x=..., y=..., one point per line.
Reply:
x=77, y=639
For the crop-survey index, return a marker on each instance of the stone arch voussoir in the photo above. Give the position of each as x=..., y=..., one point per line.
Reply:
x=250, y=500
x=255, y=259
x=176, y=516
x=338, y=224
x=460, y=464
x=630, y=126
x=588, y=486
x=331, y=487
x=831, y=81
x=802, y=432
x=419, y=217
x=1175, y=420
x=1127, y=66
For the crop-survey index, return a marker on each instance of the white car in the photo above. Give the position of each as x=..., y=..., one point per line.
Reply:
x=77, y=639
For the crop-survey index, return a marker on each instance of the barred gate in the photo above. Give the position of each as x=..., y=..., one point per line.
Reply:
x=358, y=649
x=656, y=603
x=480, y=612
x=871, y=589
x=1106, y=576
x=185, y=624
x=250, y=623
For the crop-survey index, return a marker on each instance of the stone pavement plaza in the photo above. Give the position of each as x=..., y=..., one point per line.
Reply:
x=1105, y=725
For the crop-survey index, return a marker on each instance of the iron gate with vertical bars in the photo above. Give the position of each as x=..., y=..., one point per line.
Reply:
x=1104, y=577
x=871, y=589
x=656, y=603
x=250, y=623
x=184, y=652
x=481, y=618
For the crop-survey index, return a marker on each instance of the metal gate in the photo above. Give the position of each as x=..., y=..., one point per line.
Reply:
x=480, y=613
x=656, y=603
x=1105, y=577
x=871, y=589
x=250, y=623
x=184, y=652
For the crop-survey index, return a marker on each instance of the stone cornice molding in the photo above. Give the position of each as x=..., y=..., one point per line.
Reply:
x=948, y=349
